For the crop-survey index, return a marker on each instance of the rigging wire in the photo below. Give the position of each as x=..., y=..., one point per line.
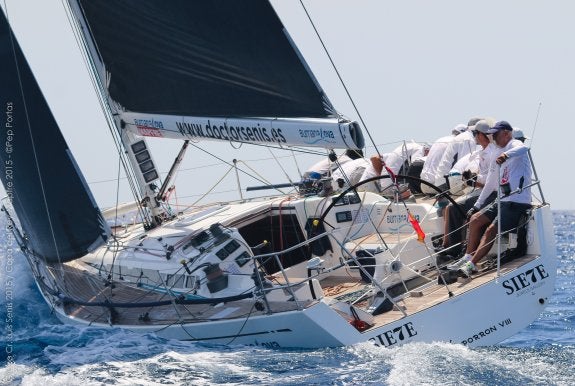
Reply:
x=267, y=182
x=212, y=188
x=296, y=164
x=231, y=165
x=339, y=77
x=535, y=125
x=116, y=250
x=280, y=166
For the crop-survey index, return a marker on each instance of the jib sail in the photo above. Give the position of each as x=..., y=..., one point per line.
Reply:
x=48, y=192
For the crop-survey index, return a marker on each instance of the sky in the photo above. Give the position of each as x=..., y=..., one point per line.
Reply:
x=414, y=69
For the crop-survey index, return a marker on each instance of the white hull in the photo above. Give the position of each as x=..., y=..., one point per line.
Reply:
x=477, y=315
x=465, y=319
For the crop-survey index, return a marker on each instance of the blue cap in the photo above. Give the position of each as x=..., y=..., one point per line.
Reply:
x=501, y=125
x=315, y=176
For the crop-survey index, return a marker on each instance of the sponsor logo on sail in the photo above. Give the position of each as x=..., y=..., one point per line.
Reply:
x=313, y=136
x=253, y=134
x=149, y=127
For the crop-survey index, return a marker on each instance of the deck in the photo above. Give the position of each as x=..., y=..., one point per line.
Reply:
x=421, y=297
x=84, y=287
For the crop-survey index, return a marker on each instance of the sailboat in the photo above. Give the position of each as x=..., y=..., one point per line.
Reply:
x=328, y=264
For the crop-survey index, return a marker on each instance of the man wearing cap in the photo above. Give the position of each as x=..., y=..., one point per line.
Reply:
x=478, y=162
x=518, y=134
x=512, y=170
x=461, y=145
x=434, y=157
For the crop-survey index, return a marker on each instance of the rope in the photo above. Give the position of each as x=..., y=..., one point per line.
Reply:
x=340, y=78
x=212, y=188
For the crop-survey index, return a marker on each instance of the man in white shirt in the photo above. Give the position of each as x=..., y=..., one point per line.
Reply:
x=432, y=162
x=460, y=146
x=476, y=172
x=394, y=160
x=326, y=166
x=512, y=170
x=518, y=134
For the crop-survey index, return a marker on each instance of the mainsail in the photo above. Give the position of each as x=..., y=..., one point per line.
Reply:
x=211, y=70
x=48, y=192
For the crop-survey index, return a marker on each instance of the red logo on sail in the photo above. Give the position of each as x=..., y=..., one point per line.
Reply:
x=149, y=127
x=149, y=131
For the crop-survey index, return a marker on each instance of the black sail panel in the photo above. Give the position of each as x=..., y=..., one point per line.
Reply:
x=202, y=58
x=48, y=192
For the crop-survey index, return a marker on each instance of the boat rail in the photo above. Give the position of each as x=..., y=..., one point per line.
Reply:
x=520, y=189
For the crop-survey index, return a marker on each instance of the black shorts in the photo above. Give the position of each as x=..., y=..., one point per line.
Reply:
x=511, y=212
x=489, y=200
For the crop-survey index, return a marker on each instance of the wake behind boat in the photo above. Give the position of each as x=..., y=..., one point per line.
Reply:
x=326, y=265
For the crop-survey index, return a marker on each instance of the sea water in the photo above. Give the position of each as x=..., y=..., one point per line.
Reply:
x=38, y=350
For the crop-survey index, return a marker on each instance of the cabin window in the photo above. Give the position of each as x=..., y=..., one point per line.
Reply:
x=281, y=232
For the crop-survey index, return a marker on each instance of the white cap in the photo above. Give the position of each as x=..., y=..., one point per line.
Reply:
x=473, y=121
x=482, y=126
x=458, y=129
x=518, y=134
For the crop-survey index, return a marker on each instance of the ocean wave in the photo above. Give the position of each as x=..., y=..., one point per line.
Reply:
x=50, y=353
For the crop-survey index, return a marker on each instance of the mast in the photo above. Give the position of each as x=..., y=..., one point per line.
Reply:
x=144, y=170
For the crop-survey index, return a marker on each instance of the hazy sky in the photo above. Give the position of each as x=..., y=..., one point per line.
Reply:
x=414, y=68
